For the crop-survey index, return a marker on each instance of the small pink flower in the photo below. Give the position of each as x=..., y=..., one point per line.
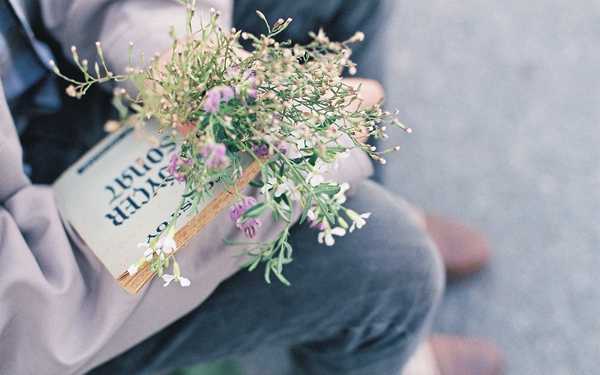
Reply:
x=260, y=150
x=240, y=207
x=252, y=92
x=231, y=70
x=248, y=77
x=227, y=93
x=250, y=80
x=213, y=98
x=215, y=155
x=249, y=227
x=173, y=167
x=236, y=213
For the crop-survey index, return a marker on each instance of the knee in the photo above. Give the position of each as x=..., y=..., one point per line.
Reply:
x=397, y=256
x=413, y=287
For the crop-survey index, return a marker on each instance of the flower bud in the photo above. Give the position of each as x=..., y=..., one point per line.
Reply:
x=359, y=36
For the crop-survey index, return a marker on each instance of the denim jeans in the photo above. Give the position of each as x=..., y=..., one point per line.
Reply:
x=360, y=306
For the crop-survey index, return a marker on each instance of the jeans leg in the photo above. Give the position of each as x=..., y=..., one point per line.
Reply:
x=358, y=307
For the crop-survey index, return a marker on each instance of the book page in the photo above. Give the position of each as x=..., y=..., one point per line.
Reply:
x=119, y=195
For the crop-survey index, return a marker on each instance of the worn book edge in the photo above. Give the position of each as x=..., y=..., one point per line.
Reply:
x=133, y=284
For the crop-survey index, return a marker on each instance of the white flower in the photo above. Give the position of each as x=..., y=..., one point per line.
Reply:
x=357, y=220
x=315, y=177
x=184, y=281
x=340, y=196
x=132, y=270
x=280, y=187
x=301, y=138
x=291, y=189
x=167, y=244
x=176, y=276
x=337, y=157
x=321, y=37
x=328, y=233
x=168, y=278
x=148, y=253
x=271, y=182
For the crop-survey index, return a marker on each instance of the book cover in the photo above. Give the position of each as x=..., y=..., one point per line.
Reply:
x=119, y=195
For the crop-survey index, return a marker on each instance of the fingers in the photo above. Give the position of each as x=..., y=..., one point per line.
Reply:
x=371, y=91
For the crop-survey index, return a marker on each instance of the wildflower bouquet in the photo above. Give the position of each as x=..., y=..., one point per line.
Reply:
x=285, y=106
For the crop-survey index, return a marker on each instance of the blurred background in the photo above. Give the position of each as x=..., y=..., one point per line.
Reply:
x=504, y=101
x=503, y=97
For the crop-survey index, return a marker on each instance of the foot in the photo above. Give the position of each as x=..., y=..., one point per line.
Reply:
x=465, y=356
x=463, y=248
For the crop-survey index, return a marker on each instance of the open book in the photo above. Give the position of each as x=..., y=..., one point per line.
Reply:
x=119, y=195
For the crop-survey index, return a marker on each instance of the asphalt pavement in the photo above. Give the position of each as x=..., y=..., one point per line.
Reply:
x=504, y=101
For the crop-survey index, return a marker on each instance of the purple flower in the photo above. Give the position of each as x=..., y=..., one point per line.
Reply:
x=176, y=162
x=250, y=80
x=215, y=155
x=252, y=92
x=227, y=93
x=250, y=227
x=248, y=77
x=231, y=70
x=313, y=222
x=260, y=150
x=236, y=213
x=213, y=98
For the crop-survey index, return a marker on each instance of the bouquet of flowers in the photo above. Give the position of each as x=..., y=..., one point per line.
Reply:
x=284, y=105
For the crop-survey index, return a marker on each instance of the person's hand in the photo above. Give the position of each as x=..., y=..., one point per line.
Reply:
x=371, y=91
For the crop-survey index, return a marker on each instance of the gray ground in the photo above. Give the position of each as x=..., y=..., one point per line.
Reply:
x=504, y=100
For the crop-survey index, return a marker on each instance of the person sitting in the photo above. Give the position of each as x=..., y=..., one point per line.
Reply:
x=363, y=306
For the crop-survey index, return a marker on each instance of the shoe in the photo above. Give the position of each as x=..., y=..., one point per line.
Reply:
x=463, y=248
x=465, y=356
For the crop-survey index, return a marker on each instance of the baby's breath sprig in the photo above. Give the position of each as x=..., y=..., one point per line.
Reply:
x=77, y=88
x=284, y=105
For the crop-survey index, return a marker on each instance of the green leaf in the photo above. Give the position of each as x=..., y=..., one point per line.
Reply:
x=329, y=121
x=280, y=261
x=282, y=279
x=288, y=250
x=268, y=274
x=325, y=211
x=255, y=211
x=306, y=209
x=283, y=214
x=248, y=263
x=254, y=263
x=326, y=188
